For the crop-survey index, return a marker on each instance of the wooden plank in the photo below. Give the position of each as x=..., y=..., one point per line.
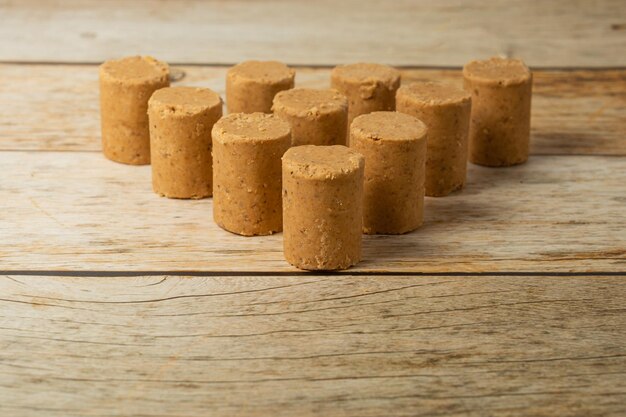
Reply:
x=79, y=211
x=554, y=33
x=55, y=107
x=332, y=346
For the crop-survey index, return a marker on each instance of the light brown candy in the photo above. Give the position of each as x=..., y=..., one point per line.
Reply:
x=181, y=119
x=317, y=117
x=125, y=87
x=394, y=147
x=252, y=85
x=368, y=87
x=500, y=123
x=446, y=112
x=322, y=207
x=247, y=151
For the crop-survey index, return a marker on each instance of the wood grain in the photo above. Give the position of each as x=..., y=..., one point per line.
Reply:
x=553, y=33
x=79, y=211
x=523, y=313
x=55, y=107
x=331, y=346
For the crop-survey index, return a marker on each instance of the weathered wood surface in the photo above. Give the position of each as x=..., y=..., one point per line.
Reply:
x=552, y=33
x=545, y=343
x=304, y=346
x=55, y=107
x=79, y=211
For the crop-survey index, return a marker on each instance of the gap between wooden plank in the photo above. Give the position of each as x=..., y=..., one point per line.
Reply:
x=346, y=273
x=314, y=66
x=92, y=151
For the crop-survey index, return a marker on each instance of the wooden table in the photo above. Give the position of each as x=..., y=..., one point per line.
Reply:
x=115, y=302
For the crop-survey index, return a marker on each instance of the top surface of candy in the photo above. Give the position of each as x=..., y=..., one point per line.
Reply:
x=238, y=127
x=135, y=69
x=388, y=125
x=302, y=101
x=322, y=162
x=433, y=93
x=184, y=100
x=497, y=70
x=364, y=73
x=262, y=71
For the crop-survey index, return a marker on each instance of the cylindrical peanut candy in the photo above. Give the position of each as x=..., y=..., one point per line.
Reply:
x=368, y=87
x=181, y=119
x=322, y=207
x=394, y=147
x=252, y=85
x=125, y=87
x=500, y=123
x=317, y=117
x=247, y=151
x=446, y=112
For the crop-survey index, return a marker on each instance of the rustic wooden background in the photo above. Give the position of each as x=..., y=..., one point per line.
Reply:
x=115, y=302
